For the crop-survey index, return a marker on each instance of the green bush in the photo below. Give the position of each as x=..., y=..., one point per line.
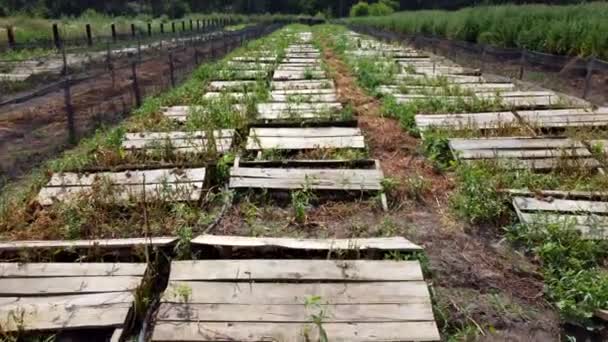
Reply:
x=360, y=10
x=380, y=8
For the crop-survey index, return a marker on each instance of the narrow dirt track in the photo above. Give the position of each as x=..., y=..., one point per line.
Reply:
x=475, y=278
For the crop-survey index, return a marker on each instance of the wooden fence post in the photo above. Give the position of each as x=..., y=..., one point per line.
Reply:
x=173, y=26
x=136, y=85
x=149, y=29
x=183, y=26
x=195, y=56
x=89, y=35
x=133, y=30
x=191, y=25
x=171, y=70
x=588, y=77
x=56, y=37
x=522, y=62
x=162, y=28
x=113, y=28
x=69, y=109
x=10, y=35
x=64, y=58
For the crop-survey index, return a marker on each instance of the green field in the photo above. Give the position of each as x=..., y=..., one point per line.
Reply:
x=580, y=30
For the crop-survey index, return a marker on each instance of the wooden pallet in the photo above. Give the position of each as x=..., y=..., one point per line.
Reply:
x=456, y=122
x=160, y=184
x=525, y=152
x=305, y=138
x=587, y=216
x=286, y=110
x=180, y=142
x=302, y=84
x=391, y=244
x=561, y=118
x=57, y=296
x=275, y=300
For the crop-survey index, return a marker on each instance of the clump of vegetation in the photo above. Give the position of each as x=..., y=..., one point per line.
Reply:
x=579, y=30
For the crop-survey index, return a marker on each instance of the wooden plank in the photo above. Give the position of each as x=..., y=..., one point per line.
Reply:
x=523, y=153
x=288, y=75
x=213, y=292
x=514, y=143
x=303, y=84
x=387, y=244
x=71, y=300
x=561, y=205
x=179, y=141
x=37, y=270
x=226, y=95
x=303, y=98
x=296, y=270
x=456, y=79
x=294, y=313
x=307, y=132
x=602, y=314
x=246, y=332
x=11, y=246
x=158, y=176
x=230, y=85
x=328, y=179
x=67, y=285
x=591, y=226
x=467, y=121
x=475, y=87
x=302, y=143
x=55, y=317
x=594, y=195
x=313, y=91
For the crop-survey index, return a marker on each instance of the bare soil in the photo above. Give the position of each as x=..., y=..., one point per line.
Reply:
x=477, y=280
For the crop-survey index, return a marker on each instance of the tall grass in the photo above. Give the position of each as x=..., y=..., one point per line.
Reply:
x=580, y=30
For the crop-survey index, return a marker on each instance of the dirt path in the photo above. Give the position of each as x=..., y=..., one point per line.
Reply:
x=479, y=283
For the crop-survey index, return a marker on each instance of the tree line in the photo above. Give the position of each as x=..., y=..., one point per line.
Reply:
x=179, y=8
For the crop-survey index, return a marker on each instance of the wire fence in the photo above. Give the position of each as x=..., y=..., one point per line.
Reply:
x=585, y=78
x=44, y=122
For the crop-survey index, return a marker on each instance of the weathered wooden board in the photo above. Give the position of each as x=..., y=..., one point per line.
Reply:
x=231, y=85
x=305, y=138
x=181, y=113
x=296, y=332
x=385, y=244
x=256, y=59
x=559, y=118
x=474, y=87
x=303, y=270
x=164, y=184
x=42, y=270
x=289, y=75
x=295, y=313
x=320, y=179
x=313, y=91
x=456, y=79
x=515, y=99
x=285, y=110
x=180, y=142
x=588, y=217
x=303, y=98
x=67, y=285
x=226, y=95
x=298, y=67
x=523, y=152
x=492, y=120
x=302, y=84
x=297, y=292
x=234, y=75
x=11, y=246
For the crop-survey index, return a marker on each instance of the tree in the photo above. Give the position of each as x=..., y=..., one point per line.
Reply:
x=360, y=10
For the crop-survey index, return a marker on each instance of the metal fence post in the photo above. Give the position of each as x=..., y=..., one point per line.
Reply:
x=588, y=77
x=149, y=29
x=133, y=30
x=69, y=109
x=196, y=56
x=162, y=28
x=64, y=58
x=171, y=70
x=522, y=62
x=136, y=84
